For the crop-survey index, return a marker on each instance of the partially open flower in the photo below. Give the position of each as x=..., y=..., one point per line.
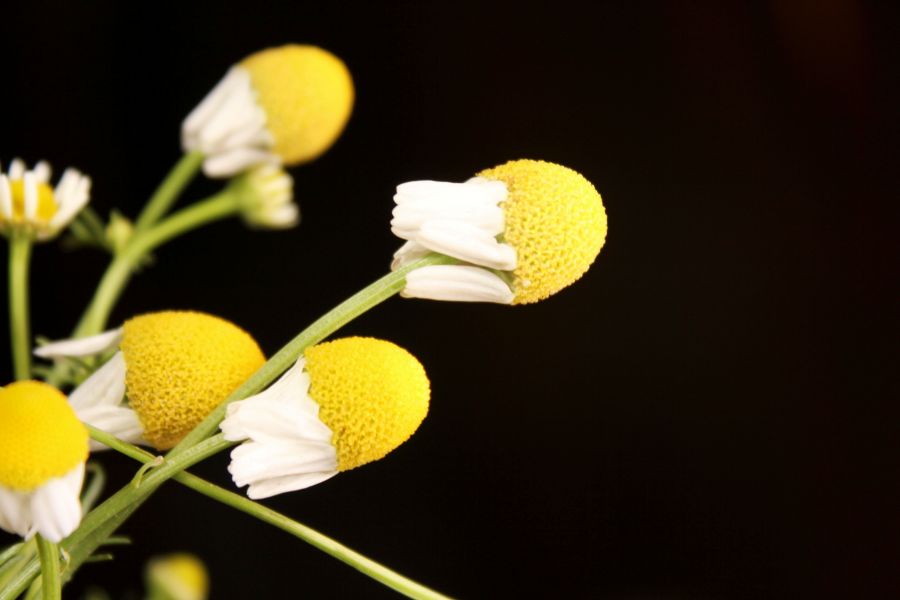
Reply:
x=43, y=448
x=281, y=105
x=172, y=369
x=267, y=198
x=345, y=403
x=29, y=205
x=522, y=231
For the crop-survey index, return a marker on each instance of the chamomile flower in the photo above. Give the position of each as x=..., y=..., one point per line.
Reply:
x=522, y=231
x=281, y=105
x=178, y=576
x=43, y=448
x=266, y=198
x=170, y=370
x=28, y=204
x=343, y=404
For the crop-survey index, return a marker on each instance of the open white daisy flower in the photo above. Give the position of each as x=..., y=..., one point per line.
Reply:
x=281, y=105
x=343, y=404
x=169, y=370
x=522, y=231
x=28, y=204
x=43, y=448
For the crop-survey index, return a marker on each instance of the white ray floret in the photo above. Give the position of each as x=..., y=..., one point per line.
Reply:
x=81, y=347
x=270, y=203
x=53, y=509
x=229, y=127
x=459, y=220
x=286, y=447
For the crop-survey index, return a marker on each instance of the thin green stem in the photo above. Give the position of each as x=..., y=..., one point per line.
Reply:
x=120, y=269
x=169, y=190
x=49, y=555
x=370, y=296
x=19, y=324
x=365, y=565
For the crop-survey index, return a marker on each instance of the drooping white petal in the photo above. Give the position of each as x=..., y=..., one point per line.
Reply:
x=229, y=127
x=71, y=198
x=408, y=253
x=15, y=512
x=285, y=444
x=81, y=347
x=462, y=283
x=55, y=506
x=467, y=243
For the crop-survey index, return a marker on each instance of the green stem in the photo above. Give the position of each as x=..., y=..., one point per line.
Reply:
x=368, y=297
x=169, y=190
x=369, y=567
x=19, y=328
x=120, y=269
x=49, y=555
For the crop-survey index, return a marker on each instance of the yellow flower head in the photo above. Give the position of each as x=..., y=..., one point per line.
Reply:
x=28, y=204
x=287, y=104
x=555, y=221
x=343, y=404
x=521, y=232
x=373, y=395
x=180, y=576
x=40, y=436
x=307, y=93
x=180, y=365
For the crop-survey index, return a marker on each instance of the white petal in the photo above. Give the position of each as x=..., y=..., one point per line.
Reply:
x=15, y=512
x=6, y=204
x=81, y=347
x=461, y=283
x=288, y=483
x=42, y=171
x=55, y=506
x=467, y=243
x=255, y=462
x=232, y=162
x=16, y=169
x=408, y=252
x=31, y=195
x=106, y=386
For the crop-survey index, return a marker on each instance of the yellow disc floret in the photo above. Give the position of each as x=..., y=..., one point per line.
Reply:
x=179, y=366
x=555, y=221
x=307, y=94
x=180, y=575
x=40, y=436
x=46, y=203
x=372, y=395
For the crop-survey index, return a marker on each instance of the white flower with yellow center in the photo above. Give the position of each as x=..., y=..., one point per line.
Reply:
x=343, y=404
x=43, y=448
x=172, y=368
x=281, y=105
x=28, y=204
x=522, y=231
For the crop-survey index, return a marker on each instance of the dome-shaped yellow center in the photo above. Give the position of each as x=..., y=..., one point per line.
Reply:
x=372, y=394
x=307, y=94
x=179, y=366
x=556, y=222
x=40, y=436
x=46, y=204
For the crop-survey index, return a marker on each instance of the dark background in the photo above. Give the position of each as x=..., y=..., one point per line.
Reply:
x=701, y=416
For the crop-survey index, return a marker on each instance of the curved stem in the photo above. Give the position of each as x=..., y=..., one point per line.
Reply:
x=120, y=269
x=19, y=324
x=368, y=297
x=365, y=565
x=169, y=190
x=49, y=554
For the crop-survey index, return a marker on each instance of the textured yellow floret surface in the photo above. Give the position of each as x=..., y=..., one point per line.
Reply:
x=307, y=94
x=372, y=394
x=179, y=366
x=46, y=205
x=40, y=436
x=556, y=222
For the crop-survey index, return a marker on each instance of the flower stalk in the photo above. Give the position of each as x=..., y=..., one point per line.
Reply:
x=19, y=320
x=51, y=588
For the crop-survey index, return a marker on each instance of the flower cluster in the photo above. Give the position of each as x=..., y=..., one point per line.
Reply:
x=191, y=383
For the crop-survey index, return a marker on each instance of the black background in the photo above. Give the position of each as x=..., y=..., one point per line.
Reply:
x=699, y=417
